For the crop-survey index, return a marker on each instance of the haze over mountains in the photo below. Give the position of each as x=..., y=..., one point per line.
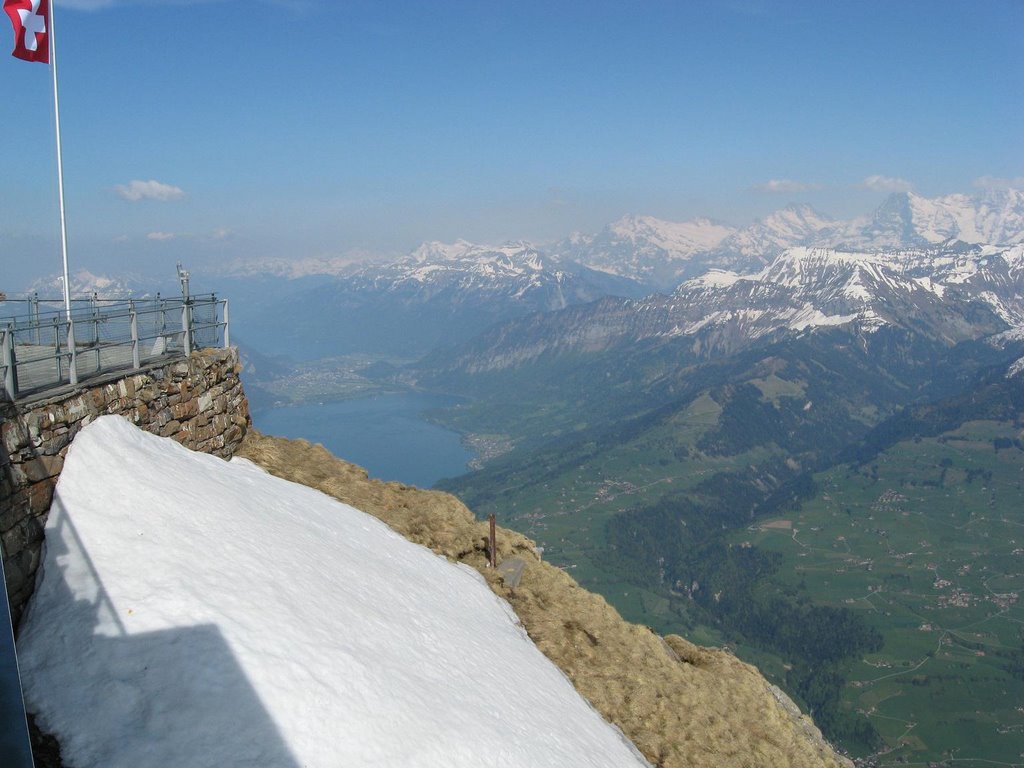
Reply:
x=952, y=250
x=956, y=247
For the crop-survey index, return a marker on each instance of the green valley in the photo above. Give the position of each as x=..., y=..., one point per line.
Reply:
x=794, y=505
x=926, y=543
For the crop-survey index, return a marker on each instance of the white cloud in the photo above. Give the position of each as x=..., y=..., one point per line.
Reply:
x=161, y=236
x=149, y=190
x=784, y=185
x=886, y=184
x=995, y=182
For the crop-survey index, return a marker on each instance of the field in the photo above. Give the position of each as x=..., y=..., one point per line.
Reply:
x=566, y=513
x=927, y=542
x=923, y=542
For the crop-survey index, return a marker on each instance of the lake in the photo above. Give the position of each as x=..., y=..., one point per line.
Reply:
x=386, y=434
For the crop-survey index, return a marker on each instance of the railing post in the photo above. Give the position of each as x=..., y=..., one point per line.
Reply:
x=186, y=329
x=227, y=326
x=34, y=301
x=10, y=363
x=95, y=320
x=73, y=363
x=136, y=361
x=56, y=347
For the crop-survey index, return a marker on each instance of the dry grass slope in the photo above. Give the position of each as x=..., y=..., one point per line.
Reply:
x=681, y=705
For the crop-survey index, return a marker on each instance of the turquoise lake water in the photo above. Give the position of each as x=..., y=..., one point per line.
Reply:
x=385, y=434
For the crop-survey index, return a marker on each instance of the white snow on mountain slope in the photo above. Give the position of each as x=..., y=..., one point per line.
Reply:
x=1015, y=368
x=791, y=226
x=431, y=260
x=678, y=239
x=84, y=284
x=194, y=612
x=662, y=253
x=645, y=248
x=716, y=278
x=811, y=287
x=996, y=217
x=907, y=219
x=821, y=275
x=659, y=251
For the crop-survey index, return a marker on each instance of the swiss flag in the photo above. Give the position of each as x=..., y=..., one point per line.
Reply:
x=31, y=20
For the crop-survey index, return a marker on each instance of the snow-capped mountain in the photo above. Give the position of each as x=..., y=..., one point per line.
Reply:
x=793, y=225
x=467, y=266
x=644, y=248
x=444, y=293
x=909, y=220
x=465, y=272
x=663, y=253
x=441, y=293
x=85, y=283
x=945, y=296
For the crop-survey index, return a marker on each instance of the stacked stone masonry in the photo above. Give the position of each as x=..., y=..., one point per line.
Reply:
x=199, y=402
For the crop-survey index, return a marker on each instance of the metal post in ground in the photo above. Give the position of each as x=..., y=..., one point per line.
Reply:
x=227, y=326
x=492, y=547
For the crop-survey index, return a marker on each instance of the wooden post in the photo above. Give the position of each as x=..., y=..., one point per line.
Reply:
x=492, y=545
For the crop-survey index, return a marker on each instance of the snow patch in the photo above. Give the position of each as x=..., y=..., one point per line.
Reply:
x=197, y=612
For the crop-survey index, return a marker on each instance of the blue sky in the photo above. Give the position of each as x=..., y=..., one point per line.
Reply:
x=329, y=127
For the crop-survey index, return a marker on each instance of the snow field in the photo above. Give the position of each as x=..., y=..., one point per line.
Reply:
x=196, y=612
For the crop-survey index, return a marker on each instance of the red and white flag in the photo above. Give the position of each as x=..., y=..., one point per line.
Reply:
x=31, y=20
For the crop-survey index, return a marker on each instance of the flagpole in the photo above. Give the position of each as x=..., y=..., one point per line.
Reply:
x=73, y=369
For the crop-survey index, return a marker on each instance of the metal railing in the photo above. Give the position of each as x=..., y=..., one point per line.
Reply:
x=41, y=348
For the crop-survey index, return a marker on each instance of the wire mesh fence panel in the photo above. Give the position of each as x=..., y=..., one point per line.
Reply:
x=108, y=335
x=205, y=324
x=39, y=356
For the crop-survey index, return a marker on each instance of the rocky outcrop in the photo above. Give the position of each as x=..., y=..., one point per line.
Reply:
x=197, y=401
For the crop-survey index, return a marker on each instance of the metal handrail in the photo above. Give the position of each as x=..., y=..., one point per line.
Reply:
x=43, y=349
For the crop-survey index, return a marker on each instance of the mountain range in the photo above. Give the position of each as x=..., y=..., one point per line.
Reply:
x=946, y=294
x=444, y=294
x=663, y=253
x=438, y=295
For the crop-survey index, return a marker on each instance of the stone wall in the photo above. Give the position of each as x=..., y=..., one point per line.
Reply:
x=199, y=402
